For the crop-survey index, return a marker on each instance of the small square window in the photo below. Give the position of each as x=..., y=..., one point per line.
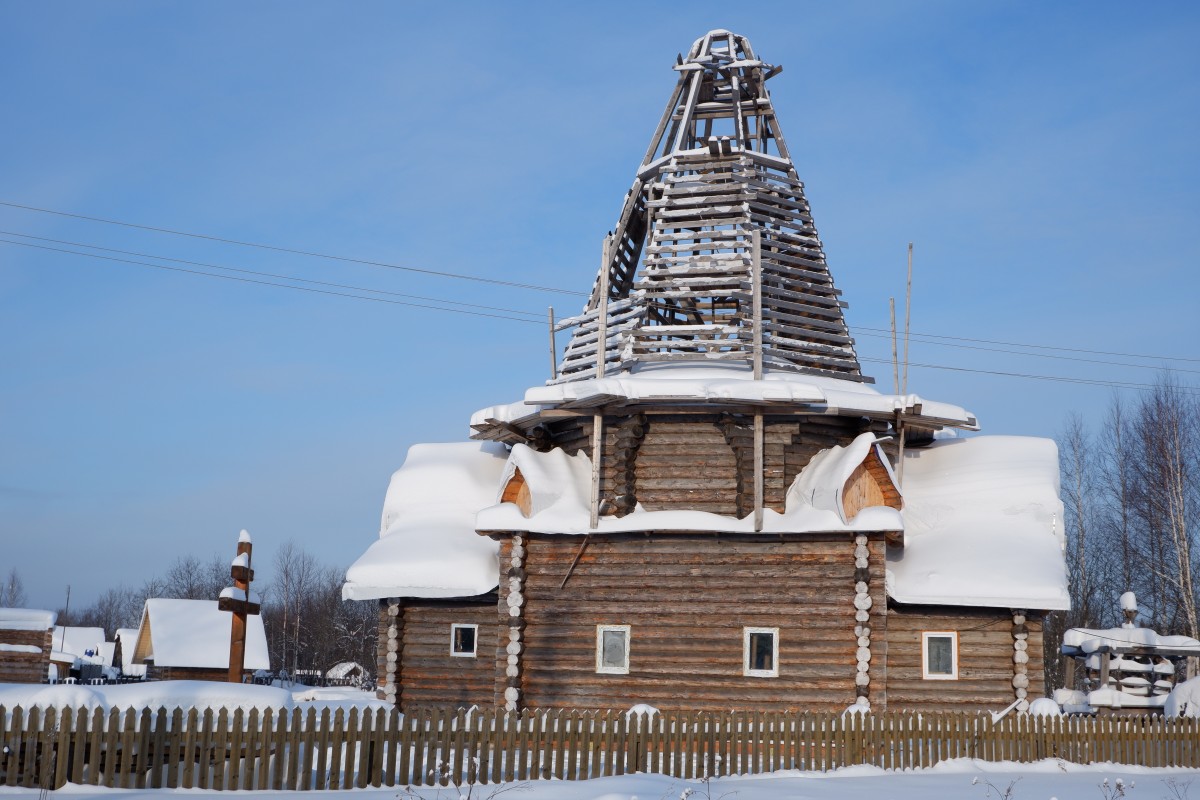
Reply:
x=463, y=640
x=939, y=655
x=612, y=649
x=761, y=648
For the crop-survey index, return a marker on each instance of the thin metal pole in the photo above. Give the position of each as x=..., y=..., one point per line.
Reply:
x=553, y=348
x=895, y=356
x=907, y=317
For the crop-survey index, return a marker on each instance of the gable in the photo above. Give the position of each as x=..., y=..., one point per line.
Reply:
x=516, y=491
x=870, y=484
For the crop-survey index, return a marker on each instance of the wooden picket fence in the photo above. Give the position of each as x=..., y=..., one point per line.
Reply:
x=303, y=750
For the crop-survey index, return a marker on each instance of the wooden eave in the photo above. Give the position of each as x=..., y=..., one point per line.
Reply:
x=759, y=536
x=515, y=431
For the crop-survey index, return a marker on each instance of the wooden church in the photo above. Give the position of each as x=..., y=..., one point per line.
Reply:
x=709, y=507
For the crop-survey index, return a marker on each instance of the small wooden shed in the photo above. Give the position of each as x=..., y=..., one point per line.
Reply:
x=189, y=640
x=25, y=644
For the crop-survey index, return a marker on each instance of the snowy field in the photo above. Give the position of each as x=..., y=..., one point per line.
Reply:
x=952, y=779
x=186, y=694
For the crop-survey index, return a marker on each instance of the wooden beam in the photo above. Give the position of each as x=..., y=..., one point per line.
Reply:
x=597, y=455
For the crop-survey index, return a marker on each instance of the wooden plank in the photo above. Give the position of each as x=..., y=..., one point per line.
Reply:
x=233, y=759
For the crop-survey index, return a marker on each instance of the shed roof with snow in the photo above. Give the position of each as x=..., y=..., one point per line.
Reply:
x=195, y=634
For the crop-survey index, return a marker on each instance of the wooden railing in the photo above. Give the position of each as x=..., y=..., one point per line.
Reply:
x=305, y=750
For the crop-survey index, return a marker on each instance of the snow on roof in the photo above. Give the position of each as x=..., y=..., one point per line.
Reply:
x=821, y=482
x=1087, y=640
x=560, y=491
x=77, y=641
x=345, y=669
x=26, y=619
x=428, y=546
x=195, y=633
x=725, y=384
x=983, y=525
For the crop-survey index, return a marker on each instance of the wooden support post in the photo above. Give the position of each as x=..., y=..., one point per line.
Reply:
x=758, y=472
x=756, y=259
x=597, y=454
x=756, y=256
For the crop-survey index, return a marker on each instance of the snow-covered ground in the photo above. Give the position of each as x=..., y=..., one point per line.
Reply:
x=960, y=779
x=186, y=695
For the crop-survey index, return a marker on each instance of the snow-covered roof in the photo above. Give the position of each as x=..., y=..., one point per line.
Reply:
x=560, y=486
x=428, y=546
x=26, y=619
x=725, y=384
x=983, y=525
x=195, y=633
x=1088, y=640
x=76, y=640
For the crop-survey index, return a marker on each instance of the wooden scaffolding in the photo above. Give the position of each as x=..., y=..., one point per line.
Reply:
x=714, y=256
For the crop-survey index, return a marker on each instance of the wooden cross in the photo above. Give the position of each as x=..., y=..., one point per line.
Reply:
x=238, y=600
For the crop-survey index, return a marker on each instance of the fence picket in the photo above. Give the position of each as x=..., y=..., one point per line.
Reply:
x=236, y=750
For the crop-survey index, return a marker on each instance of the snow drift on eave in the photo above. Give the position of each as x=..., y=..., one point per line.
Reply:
x=428, y=546
x=26, y=619
x=560, y=488
x=195, y=633
x=983, y=525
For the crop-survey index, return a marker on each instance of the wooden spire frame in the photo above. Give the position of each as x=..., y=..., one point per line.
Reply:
x=678, y=280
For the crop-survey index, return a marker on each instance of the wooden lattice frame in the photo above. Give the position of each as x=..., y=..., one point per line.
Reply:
x=681, y=268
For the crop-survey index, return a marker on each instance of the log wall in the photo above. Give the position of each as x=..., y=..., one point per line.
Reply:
x=687, y=599
x=985, y=658
x=155, y=673
x=25, y=667
x=704, y=462
x=429, y=675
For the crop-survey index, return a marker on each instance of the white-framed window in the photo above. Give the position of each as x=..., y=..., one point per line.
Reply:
x=939, y=655
x=612, y=649
x=464, y=640
x=760, y=647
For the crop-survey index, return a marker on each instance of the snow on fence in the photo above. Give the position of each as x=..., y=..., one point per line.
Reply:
x=302, y=750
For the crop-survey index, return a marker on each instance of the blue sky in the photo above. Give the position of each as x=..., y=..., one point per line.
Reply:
x=1042, y=157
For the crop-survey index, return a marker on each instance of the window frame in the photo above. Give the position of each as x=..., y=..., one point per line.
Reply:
x=746, y=654
x=601, y=668
x=938, y=676
x=455, y=626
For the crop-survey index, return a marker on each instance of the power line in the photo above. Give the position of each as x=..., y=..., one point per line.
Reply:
x=311, y=254
x=888, y=335
x=1037, y=346
x=270, y=283
x=1058, y=378
x=536, y=287
x=535, y=315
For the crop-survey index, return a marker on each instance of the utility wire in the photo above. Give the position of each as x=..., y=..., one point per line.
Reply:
x=1062, y=379
x=1032, y=355
x=535, y=287
x=1059, y=378
x=459, y=276
x=1035, y=346
x=537, y=316
x=271, y=283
